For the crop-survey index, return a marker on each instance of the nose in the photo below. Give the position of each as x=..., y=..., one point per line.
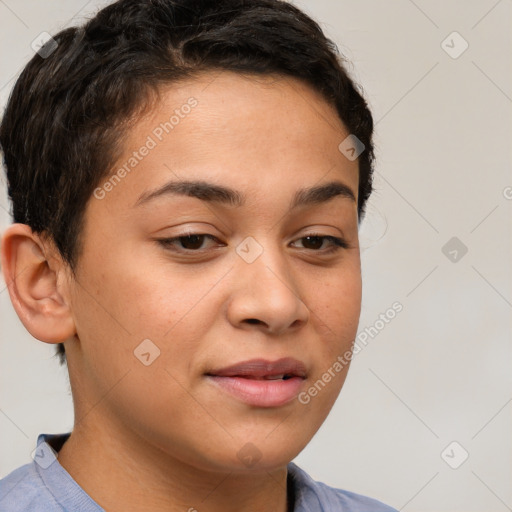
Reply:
x=266, y=295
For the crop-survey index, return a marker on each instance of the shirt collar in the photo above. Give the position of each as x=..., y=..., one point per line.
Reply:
x=67, y=492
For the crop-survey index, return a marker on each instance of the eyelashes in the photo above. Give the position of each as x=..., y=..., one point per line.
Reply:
x=194, y=241
x=337, y=243
x=189, y=238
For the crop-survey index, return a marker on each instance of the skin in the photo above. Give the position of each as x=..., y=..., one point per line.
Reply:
x=162, y=436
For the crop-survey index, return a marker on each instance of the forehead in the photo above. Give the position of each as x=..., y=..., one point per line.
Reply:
x=257, y=133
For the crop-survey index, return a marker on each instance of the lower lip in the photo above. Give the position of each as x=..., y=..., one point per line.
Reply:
x=260, y=393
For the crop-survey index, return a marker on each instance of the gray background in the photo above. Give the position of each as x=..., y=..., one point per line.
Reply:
x=440, y=371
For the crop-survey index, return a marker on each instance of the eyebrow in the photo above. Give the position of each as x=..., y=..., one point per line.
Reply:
x=213, y=193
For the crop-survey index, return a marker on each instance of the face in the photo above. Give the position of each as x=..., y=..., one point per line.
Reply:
x=204, y=312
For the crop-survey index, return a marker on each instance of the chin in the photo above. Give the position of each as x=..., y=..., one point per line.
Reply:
x=251, y=454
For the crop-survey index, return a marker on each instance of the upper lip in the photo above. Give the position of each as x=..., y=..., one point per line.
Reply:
x=259, y=368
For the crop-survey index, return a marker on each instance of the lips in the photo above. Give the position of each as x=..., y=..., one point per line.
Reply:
x=261, y=383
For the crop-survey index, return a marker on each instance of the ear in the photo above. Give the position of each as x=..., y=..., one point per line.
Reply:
x=36, y=277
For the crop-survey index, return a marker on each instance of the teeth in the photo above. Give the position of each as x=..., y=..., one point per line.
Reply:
x=275, y=377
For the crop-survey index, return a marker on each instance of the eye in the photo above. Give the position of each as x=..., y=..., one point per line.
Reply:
x=193, y=242
x=189, y=242
x=315, y=242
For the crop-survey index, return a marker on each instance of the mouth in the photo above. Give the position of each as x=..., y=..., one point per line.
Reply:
x=261, y=383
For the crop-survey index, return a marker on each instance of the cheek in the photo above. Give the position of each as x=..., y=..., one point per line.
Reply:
x=339, y=307
x=337, y=314
x=336, y=303
x=149, y=298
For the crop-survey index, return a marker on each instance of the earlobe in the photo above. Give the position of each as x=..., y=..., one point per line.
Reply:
x=34, y=275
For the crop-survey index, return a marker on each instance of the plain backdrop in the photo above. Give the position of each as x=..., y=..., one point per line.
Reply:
x=424, y=420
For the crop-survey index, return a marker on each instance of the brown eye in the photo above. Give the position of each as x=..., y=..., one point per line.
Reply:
x=192, y=242
x=315, y=242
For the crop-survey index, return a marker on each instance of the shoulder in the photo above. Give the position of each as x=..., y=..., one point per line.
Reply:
x=311, y=495
x=44, y=485
x=24, y=490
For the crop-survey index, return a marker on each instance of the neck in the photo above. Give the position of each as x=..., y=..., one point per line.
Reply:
x=123, y=473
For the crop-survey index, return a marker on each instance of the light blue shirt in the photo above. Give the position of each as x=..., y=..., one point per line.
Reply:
x=45, y=486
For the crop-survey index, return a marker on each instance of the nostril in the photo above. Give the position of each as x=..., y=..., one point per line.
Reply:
x=253, y=321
